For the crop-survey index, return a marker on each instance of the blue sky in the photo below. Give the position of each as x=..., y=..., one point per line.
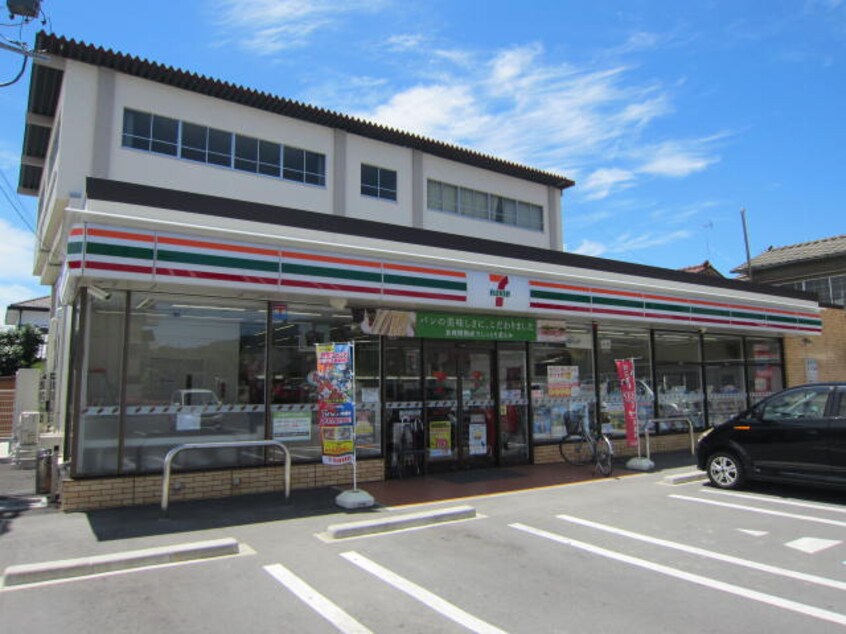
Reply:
x=670, y=116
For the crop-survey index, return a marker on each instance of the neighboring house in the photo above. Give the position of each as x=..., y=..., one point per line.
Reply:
x=816, y=267
x=35, y=312
x=205, y=236
x=706, y=268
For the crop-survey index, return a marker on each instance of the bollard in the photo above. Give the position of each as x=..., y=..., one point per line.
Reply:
x=44, y=471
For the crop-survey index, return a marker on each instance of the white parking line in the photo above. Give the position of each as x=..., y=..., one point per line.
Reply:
x=765, y=498
x=429, y=599
x=701, y=552
x=714, y=584
x=812, y=545
x=316, y=601
x=753, y=509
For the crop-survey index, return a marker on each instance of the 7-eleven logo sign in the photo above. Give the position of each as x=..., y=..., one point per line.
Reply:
x=499, y=289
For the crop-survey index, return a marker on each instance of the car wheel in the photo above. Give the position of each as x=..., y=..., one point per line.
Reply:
x=725, y=471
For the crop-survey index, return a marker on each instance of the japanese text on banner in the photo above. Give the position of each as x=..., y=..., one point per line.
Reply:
x=625, y=372
x=335, y=404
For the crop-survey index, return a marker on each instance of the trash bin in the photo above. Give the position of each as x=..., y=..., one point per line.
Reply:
x=44, y=472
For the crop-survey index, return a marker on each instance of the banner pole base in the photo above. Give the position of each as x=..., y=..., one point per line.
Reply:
x=640, y=464
x=354, y=499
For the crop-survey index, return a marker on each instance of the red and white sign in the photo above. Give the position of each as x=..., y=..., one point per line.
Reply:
x=625, y=372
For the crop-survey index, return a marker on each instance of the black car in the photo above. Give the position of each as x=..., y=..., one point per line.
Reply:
x=797, y=435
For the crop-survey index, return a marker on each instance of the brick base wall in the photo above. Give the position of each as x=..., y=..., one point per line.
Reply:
x=657, y=444
x=827, y=349
x=88, y=495
x=101, y=493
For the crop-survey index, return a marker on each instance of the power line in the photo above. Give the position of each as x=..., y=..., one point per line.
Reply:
x=18, y=210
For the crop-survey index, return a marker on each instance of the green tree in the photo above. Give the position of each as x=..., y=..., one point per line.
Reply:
x=19, y=348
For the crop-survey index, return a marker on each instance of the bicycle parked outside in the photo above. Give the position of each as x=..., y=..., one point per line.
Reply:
x=582, y=445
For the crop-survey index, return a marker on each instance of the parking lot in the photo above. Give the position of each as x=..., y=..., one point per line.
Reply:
x=634, y=554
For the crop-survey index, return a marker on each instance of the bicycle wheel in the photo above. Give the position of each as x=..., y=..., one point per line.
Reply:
x=604, y=456
x=576, y=450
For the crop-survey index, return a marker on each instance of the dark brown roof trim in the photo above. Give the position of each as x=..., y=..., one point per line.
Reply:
x=146, y=196
x=82, y=52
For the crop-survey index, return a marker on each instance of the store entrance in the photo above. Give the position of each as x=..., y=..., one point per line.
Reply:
x=459, y=407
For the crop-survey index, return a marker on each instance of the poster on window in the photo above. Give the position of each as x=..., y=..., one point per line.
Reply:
x=440, y=439
x=335, y=404
x=563, y=381
x=291, y=426
x=478, y=435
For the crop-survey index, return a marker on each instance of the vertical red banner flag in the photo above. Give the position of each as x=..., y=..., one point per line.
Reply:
x=625, y=372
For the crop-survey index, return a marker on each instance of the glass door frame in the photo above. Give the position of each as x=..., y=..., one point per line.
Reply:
x=462, y=459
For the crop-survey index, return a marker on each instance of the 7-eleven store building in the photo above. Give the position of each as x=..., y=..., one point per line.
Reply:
x=201, y=238
x=463, y=358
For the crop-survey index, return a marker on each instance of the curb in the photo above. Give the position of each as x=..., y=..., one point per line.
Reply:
x=398, y=522
x=684, y=478
x=68, y=568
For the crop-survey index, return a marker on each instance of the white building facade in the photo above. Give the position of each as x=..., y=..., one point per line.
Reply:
x=200, y=238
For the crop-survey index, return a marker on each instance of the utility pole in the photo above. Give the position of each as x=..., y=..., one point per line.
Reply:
x=746, y=242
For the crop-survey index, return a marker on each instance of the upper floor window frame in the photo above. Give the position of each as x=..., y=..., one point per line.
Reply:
x=195, y=142
x=830, y=289
x=479, y=205
x=378, y=182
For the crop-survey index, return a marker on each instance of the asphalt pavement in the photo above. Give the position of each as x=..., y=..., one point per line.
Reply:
x=633, y=553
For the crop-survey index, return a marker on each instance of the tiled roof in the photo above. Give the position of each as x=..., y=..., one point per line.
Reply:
x=706, y=268
x=39, y=303
x=803, y=251
x=44, y=90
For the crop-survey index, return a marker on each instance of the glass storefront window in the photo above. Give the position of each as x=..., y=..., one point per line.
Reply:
x=514, y=402
x=678, y=374
x=403, y=406
x=725, y=384
x=562, y=384
x=195, y=373
x=764, y=368
x=98, y=433
x=368, y=398
x=296, y=329
x=623, y=343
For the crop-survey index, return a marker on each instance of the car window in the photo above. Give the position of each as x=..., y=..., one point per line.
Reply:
x=802, y=403
x=841, y=411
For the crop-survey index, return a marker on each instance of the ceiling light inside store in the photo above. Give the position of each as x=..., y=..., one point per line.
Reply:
x=198, y=307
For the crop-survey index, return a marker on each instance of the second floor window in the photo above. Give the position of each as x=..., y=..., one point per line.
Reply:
x=193, y=142
x=378, y=182
x=483, y=206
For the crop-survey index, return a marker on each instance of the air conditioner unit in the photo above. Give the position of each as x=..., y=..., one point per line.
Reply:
x=25, y=431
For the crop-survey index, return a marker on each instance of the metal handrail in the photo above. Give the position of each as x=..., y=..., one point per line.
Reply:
x=235, y=444
x=686, y=419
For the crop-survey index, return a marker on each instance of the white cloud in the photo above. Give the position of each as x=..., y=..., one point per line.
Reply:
x=676, y=159
x=17, y=282
x=626, y=243
x=590, y=247
x=516, y=105
x=600, y=183
x=405, y=42
x=578, y=220
x=265, y=27
x=449, y=113
x=9, y=159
